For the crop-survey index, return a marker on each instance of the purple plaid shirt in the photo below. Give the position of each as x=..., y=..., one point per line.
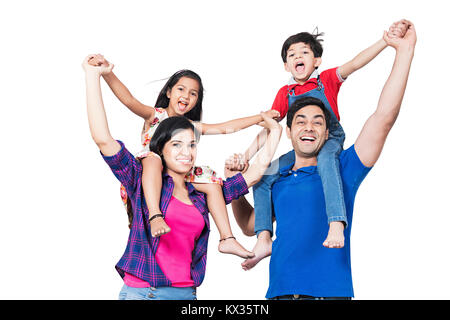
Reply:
x=139, y=257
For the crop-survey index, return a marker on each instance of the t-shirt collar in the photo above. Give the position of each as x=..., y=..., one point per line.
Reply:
x=287, y=170
x=313, y=75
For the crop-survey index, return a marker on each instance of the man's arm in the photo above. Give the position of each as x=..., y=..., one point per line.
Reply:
x=367, y=55
x=371, y=140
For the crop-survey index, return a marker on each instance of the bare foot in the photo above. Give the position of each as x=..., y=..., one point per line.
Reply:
x=231, y=246
x=335, y=238
x=158, y=227
x=262, y=249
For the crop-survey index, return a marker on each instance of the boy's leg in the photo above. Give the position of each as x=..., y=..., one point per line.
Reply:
x=218, y=209
x=328, y=167
x=262, y=196
x=262, y=193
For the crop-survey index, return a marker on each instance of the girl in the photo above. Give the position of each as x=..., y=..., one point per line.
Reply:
x=171, y=266
x=182, y=95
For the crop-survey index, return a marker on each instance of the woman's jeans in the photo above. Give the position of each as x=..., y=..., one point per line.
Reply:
x=160, y=293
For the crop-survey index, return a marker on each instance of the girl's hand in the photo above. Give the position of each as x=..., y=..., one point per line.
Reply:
x=269, y=122
x=93, y=63
x=398, y=29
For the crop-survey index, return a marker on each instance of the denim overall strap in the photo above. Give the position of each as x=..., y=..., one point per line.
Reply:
x=327, y=160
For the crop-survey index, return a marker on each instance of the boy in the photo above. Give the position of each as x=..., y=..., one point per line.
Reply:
x=301, y=54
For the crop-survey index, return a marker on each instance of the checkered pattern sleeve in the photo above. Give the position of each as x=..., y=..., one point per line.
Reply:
x=126, y=168
x=234, y=187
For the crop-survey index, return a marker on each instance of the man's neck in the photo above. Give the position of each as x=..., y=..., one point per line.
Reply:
x=301, y=162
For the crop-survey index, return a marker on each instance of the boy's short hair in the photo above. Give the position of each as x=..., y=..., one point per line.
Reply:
x=307, y=38
x=303, y=102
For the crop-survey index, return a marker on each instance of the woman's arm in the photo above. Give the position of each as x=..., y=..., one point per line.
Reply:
x=121, y=91
x=234, y=125
x=98, y=124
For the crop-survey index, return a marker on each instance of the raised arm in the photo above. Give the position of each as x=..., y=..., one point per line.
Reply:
x=98, y=124
x=234, y=125
x=121, y=91
x=264, y=157
x=367, y=55
x=371, y=140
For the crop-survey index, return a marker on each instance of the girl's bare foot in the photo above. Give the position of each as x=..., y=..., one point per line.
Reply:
x=262, y=249
x=158, y=226
x=335, y=238
x=231, y=246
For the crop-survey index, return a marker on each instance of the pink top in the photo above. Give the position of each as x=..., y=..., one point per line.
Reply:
x=174, y=253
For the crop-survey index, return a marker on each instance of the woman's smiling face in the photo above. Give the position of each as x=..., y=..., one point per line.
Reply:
x=183, y=96
x=180, y=152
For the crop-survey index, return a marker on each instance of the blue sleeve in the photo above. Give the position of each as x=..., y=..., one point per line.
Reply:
x=353, y=170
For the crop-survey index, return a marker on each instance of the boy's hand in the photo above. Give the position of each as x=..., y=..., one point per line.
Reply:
x=398, y=29
x=409, y=39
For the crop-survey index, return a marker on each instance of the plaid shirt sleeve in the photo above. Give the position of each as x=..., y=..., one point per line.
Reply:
x=234, y=187
x=125, y=167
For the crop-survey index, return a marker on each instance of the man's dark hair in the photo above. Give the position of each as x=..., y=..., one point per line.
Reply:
x=307, y=38
x=303, y=102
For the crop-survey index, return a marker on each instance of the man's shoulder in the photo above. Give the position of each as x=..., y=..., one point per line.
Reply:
x=352, y=168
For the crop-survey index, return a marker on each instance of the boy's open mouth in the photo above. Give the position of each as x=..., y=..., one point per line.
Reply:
x=300, y=67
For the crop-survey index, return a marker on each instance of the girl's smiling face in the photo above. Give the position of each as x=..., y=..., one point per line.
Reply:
x=183, y=96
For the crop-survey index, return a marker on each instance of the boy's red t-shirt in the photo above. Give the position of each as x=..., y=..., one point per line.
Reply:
x=331, y=80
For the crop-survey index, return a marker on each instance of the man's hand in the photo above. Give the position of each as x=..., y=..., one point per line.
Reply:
x=235, y=164
x=409, y=37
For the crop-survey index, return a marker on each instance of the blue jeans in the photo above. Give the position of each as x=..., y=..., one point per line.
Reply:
x=327, y=166
x=303, y=297
x=160, y=293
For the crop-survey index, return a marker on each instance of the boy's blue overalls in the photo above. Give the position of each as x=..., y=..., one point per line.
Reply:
x=327, y=165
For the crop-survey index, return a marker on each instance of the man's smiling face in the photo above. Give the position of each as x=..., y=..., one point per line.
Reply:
x=308, y=131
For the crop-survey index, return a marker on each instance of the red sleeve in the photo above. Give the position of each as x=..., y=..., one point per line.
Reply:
x=281, y=102
x=332, y=82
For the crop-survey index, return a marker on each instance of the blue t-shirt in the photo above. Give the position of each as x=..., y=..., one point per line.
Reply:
x=300, y=264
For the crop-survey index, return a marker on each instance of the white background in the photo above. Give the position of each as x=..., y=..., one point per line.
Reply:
x=62, y=224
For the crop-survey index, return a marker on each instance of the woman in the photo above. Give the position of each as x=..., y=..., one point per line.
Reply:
x=173, y=265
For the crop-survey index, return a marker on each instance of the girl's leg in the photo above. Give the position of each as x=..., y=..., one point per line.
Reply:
x=328, y=167
x=151, y=185
x=218, y=209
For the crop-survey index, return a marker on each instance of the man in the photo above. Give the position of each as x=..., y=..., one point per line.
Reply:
x=300, y=267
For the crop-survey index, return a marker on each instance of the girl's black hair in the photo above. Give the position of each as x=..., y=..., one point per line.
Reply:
x=166, y=130
x=163, y=101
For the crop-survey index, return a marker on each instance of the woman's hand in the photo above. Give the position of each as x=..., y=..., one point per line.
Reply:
x=96, y=64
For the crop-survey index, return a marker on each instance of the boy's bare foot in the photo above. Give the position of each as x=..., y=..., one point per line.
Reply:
x=262, y=249
x=335, y=238
x=158, y=226
x=231, y=246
